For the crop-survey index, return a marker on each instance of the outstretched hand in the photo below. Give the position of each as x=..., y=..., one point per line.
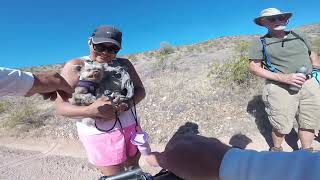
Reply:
x=48, y=84
x=191, y=157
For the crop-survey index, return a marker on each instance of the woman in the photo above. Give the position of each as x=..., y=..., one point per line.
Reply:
x=108, y=146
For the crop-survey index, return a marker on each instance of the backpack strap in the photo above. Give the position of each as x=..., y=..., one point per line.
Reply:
x=299, y=37
x=266, y=62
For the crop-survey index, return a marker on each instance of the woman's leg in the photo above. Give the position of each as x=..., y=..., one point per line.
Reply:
x=111, y=170
x=133, y=161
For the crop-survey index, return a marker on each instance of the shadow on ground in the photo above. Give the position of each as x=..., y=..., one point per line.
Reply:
x=189, y=128
x=240, y=141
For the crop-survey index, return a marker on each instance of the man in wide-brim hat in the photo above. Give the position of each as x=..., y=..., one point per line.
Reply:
x=287, y=95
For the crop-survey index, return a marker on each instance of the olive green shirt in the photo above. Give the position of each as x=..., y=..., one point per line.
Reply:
x=287, y=54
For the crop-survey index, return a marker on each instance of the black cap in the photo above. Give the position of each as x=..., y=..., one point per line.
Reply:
x=104, y=34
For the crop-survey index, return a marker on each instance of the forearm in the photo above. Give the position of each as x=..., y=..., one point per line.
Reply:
x=266, y=74
x=15, y=82
x=72, y=111
x=139, y=94
x=251, y=165
x=314, y=59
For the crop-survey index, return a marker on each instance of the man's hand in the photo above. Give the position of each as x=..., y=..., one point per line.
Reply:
x=296, y=79
x=48, y=84
x=191, y=157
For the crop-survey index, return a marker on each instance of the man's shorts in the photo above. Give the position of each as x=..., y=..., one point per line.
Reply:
x=283, y=106
x=109, y=148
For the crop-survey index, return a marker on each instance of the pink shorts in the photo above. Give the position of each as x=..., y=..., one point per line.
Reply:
x=109, y=148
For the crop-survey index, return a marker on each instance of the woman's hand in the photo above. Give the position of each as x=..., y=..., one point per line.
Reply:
x=122, y=106
x=296, y=79
x=101, y=108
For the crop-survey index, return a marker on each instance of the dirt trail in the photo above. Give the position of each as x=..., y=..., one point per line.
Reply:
x=42, y=159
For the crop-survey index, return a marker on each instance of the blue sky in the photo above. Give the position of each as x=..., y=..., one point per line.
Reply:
x=39, y=32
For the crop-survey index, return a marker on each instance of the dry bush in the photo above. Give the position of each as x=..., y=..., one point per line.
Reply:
x=4, y=105
x=22, y=117
x=132, y=58
x=166, y=48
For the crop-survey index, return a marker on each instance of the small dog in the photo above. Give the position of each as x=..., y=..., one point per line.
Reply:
x=97, y=80
x=91, y=75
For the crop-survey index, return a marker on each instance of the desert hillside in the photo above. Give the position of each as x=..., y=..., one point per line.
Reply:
x=188, y=90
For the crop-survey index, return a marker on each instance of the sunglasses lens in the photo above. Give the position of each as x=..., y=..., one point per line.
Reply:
x=271, y=19
x=282, y=18
x=279, y=18
x=99, y=47
x=102, y=48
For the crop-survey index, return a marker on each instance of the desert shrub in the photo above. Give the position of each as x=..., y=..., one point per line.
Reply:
x=24, y=117
x=166, y=48
x=161, y=62
x=132, y=58
x=242, y=48
x=234, y=71
x=173, y=63
x=4, y=106
x=231, y=71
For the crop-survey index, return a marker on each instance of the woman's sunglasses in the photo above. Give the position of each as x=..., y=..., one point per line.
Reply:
x=103, y=48
x=275, y=18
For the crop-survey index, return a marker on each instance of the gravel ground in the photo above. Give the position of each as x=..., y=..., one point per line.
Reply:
x=32, y=165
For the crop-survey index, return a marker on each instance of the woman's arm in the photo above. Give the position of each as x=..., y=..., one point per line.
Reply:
x=139, y=91
x=101, y=108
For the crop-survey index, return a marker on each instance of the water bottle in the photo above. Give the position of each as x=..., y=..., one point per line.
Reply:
x=302, y=70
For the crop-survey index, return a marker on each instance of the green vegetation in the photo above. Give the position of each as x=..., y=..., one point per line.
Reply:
x=166, y=48
x=4, y=106
x=234, y=71
x=132, y=58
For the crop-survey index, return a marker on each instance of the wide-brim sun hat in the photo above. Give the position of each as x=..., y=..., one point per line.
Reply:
x=110, y=34
x=271, y=12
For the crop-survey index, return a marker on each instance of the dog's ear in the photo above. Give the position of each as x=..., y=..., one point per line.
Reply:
x=77, y=68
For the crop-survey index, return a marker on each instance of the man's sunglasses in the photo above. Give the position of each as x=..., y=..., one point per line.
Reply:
x=274, y=18
x=103, y=48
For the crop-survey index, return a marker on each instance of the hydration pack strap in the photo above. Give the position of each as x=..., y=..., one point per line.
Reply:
x=267, y=62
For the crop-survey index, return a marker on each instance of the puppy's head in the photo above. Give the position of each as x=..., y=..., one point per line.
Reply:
x=92, y=71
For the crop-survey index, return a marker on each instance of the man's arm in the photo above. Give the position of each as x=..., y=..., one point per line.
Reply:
x=314, y=58
x=296, y=79
x=18, y=83
x=191, y=157
x=198, y=157
x=15, y=82
x=252, y=165
x=49, y=84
